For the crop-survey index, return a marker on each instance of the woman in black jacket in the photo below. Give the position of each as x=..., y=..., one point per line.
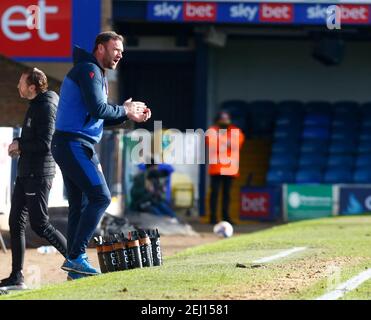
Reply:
x=35, y=173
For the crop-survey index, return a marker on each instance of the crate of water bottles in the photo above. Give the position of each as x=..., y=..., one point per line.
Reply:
x=118, y=252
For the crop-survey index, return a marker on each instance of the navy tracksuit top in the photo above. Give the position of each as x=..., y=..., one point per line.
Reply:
x=83, y=109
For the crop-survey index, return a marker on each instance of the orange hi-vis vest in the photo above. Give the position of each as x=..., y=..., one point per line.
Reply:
x=224, y=147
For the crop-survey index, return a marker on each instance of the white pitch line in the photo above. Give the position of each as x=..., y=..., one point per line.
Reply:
x=280, y=255
x=347, y=286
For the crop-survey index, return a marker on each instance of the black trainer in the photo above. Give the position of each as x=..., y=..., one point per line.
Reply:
x=14, y=282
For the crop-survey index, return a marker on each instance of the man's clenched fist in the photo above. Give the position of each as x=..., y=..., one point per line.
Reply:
x=137, y=110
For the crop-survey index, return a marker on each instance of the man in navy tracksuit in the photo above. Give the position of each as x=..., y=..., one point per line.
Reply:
x=82, y=113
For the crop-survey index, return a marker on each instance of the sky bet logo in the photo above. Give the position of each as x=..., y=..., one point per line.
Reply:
x=334, y=15
x=270, y=12
x=165, y=11
x=188, y=11
x=199, y=11
x=354, y=13
x=255, y=204
x=238, y=13
x=244, y=11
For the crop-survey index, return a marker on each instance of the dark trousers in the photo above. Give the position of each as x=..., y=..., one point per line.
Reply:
x=30, y=199
x=87, y=190
x=217, y=182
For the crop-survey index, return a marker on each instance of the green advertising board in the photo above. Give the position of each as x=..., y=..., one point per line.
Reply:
x=308, y=201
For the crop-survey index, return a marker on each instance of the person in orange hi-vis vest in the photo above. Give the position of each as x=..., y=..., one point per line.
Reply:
x=224, y=141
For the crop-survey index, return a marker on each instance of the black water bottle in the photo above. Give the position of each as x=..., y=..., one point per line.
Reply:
x=145, y=249
x=106, y=255
x=100, y=243
x=121, y=253
x=154, y=236
x=134, y=251
x=109, y=255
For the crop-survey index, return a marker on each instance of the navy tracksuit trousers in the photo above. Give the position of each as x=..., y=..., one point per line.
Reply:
x=87, y=191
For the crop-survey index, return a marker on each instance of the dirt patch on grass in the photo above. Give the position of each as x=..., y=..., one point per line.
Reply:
x=291, y=278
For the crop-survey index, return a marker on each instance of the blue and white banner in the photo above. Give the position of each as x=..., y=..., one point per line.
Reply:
x=257, y=12
x=354, y=200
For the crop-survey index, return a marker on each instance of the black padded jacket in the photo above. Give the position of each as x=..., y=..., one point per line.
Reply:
x=38, y=127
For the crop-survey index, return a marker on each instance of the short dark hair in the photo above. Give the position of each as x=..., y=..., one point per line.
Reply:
x=106, y=36
x=37, y=78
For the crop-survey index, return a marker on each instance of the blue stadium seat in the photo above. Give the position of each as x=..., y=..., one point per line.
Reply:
x=295, y=127
x=309, y=176
x=317, y=120
x=262, y=106
x=318, y=106
x=342, y=147
x=346, y=107
x=366, y=109
x=363, y=161
x=344, y=122
x=275, y=177
x=261, y=117
x=262, y=124
x=314, y=146
x=240, y=123
x=234, y=105
x=362, y=176
x=284, y=146
x=340, y=161
x=290, y=106
x=365, y=137
x=316, y=133
x=366, y=127
x=366, y=123
x=313, y=160
x=364, y=147
x=337, y=176
x=289, y=119
x=283, y=161
x=344, y=134
x=287, y=133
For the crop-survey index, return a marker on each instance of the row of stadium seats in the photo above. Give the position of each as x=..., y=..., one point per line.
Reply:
x=332, y=145
x=279, y=176
x=297, y=107
x=320, y=161
x=258, y=117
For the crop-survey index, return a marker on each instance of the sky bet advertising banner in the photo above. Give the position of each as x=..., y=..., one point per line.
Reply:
x=355, y=200
x=45, y=30
x=255, y=13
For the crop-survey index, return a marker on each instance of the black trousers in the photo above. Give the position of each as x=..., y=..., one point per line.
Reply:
x=218, y=181
x=30, y=199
